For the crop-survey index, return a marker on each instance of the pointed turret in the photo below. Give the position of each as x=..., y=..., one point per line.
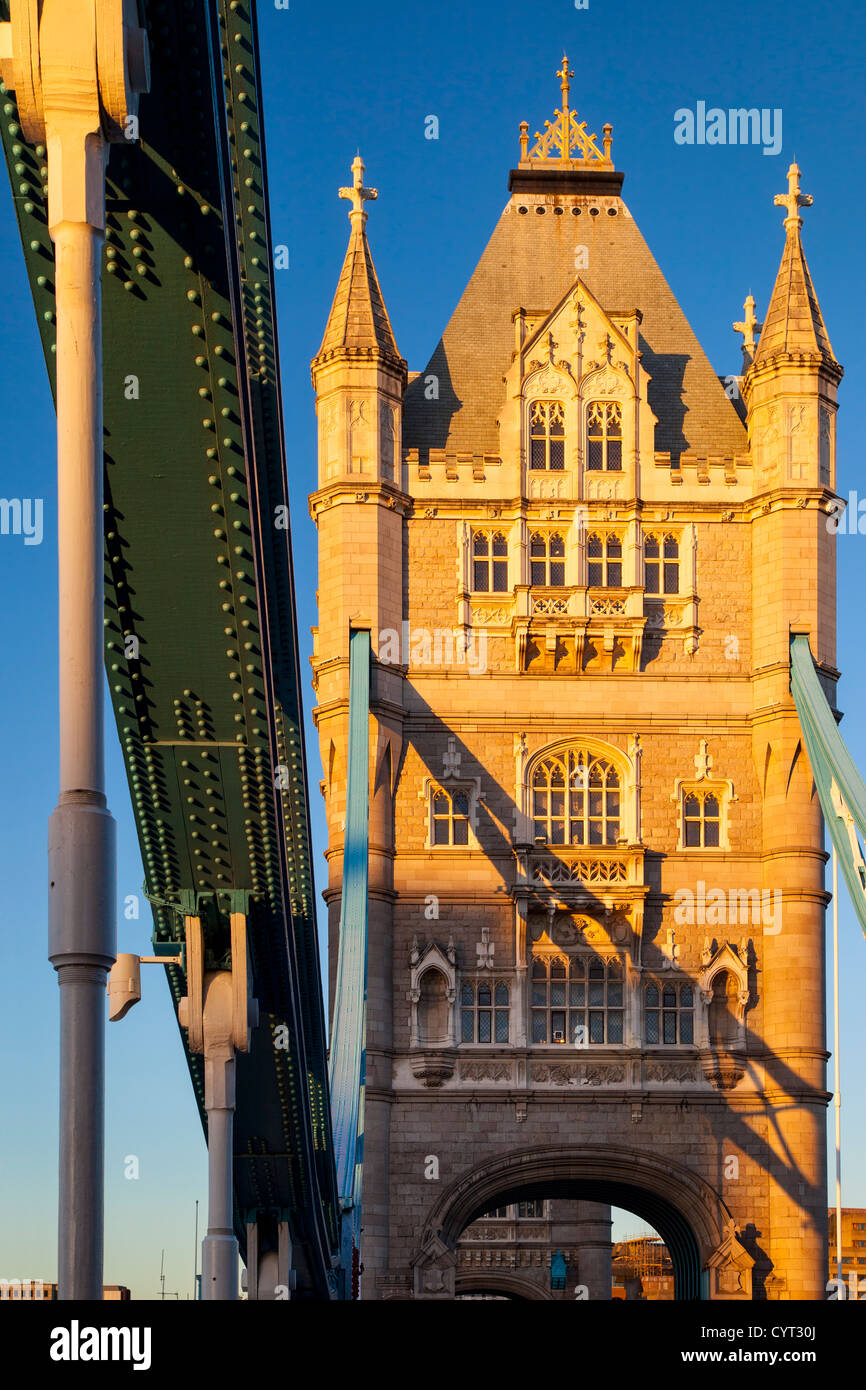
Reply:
x=794, y=324
x=790, y=394
x=358, y=373
x=358, y=322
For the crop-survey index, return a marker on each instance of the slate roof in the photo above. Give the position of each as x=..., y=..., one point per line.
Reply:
x=358, y=319
x=793, y=322
x=529, y=262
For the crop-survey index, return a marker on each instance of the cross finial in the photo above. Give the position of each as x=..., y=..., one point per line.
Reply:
x=748, y=325
x=563, y=76
x=358, y=194
x=793, y=200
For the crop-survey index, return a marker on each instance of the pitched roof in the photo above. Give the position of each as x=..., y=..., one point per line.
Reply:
x=358, y=319
x=793, y=322
x=529, y=262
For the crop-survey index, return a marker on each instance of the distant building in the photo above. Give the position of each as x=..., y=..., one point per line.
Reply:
x=37, y=1291
x=853, y=1241
x=642, y=1270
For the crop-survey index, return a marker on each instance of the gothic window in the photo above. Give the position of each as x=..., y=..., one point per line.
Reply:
x=669, y=1013
x=604, y=561
x=547, y=435
x=530, y=1210
x=604, y=437
x=576, y=1000
x=449, y=817
x=662, y=565
x=576, y=800
x=484, y=1012
x=433, y=1009
x=547, y=560
x=489, y=563
x=701, y=820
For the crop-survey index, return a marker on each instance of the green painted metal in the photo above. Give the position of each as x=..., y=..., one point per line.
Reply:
x=841, y=789
x=200, y=634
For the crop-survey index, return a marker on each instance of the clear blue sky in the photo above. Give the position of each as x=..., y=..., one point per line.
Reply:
x=336, y=79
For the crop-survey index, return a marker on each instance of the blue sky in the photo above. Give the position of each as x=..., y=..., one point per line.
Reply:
x=366, y=77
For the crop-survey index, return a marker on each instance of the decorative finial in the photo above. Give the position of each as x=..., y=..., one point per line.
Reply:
x=748, y=326
x=358, y=194
x=563, y=76
x=565, y=142
x=793, y=200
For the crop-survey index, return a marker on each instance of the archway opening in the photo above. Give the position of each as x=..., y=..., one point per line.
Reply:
x=552, y=1238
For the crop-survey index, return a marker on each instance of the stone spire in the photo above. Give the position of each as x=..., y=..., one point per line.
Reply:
x=794, y=324
x=358, y=324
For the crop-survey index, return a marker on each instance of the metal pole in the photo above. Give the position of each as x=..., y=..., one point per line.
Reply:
x=219, y=1255
x=81, y=833
x=75, y=70
x=195, y=1255
x=837, y=1098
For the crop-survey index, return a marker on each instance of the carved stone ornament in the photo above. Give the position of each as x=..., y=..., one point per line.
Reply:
x=730, y=1267
x=578, y=1073
x=432, y=1068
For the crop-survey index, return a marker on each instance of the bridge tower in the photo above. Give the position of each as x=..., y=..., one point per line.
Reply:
x=359, y=508
x=596, y=868
x=790, y=388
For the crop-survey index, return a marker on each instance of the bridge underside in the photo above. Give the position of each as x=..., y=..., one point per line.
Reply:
x=200, y=637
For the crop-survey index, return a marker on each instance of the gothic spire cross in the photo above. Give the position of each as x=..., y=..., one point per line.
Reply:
x=793, y=200
x=564, y=74
x=748, y=325
x=358, y=194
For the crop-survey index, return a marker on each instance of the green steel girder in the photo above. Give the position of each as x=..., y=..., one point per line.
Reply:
x=201, y=642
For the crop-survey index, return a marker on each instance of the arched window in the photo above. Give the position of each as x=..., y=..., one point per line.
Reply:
x=701, y=820
x=547, y=560
x=547, y=435
x=662, y=565
x=433, y=1009
x=484, y=1012
x=489, y=563
x=449, y=819
x=604, y=561
x=575, y=799
x=669, y=1013
x=576, y=1000
x=604, y=437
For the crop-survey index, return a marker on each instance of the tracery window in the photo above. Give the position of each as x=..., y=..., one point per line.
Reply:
x=604, y=561
x=547, y=435
x=702, y=818
x=576, y=1000
x=576, y=799
x=661, y=565
x=484, y=1012
x=669, y=1013
x=604, y=437
x=449, y=817
x=547, y=560
x=489, y=563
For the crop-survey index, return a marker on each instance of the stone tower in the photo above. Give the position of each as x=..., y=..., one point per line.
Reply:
x=596, y=865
